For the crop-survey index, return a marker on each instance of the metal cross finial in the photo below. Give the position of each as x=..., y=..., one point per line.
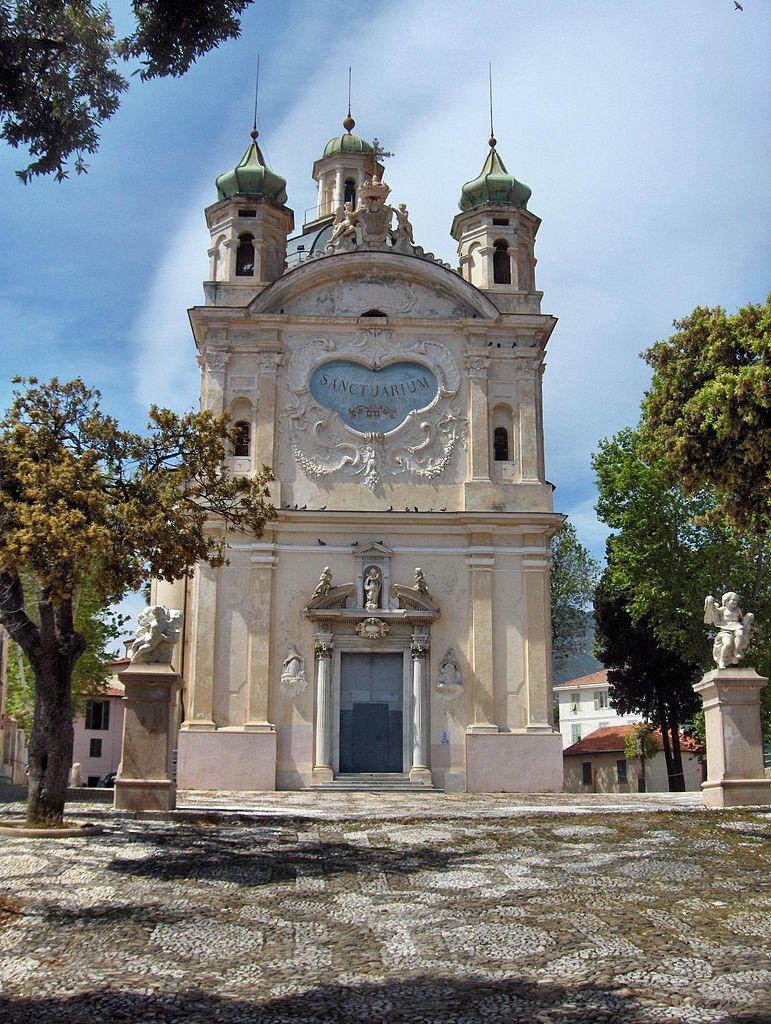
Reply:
x=379, y=151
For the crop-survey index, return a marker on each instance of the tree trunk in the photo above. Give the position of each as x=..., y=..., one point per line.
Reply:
x=677, y=778
x=50, y=751
x=50, y=748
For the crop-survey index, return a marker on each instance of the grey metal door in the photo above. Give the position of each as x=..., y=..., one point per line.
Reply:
x=371, y=704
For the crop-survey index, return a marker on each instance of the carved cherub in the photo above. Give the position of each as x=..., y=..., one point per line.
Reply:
x=158, y=630
x=345, y=223
x=735, y=629
x=403, y=227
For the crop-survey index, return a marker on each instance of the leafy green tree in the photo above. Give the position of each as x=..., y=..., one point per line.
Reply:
x=80, y=498
x=59, y=60
x=707, y=415
x=573, y=579
x=668, y=551
x=644, y=677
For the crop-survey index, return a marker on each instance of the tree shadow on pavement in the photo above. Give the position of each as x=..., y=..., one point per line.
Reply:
x=196, y=855
x=417, y=1000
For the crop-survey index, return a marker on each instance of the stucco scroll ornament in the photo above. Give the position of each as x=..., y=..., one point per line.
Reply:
x=449, y=682
x=422, y=444
x=734, y=629
x=158, y=631
x=373, y=629
x=293, y=680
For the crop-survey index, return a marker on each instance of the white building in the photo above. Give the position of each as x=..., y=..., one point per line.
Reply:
x=393, y=622
x=584, y=707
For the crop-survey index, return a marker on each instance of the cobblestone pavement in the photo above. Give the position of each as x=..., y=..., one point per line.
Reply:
x=354, y=909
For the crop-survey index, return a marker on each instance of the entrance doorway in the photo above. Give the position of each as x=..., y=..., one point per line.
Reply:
x=371, y=707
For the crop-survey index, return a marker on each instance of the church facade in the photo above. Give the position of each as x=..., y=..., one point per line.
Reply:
x=391, y=625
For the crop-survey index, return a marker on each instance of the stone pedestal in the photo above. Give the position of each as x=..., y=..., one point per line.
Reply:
x=734, y=738
x=144, y=780
x=513, y=763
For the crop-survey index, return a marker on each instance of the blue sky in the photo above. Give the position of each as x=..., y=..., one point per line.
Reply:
x=642, y=129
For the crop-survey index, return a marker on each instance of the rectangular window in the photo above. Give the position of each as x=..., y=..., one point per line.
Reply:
x=575, y=701
x=621, y=766
x=98, y=714
x=600, y=699
x=94, y=748
x=586, y=773
x=575, y=733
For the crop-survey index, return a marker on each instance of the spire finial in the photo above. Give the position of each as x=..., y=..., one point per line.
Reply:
x=349, y=124
x=254, y=133
x=492, y=141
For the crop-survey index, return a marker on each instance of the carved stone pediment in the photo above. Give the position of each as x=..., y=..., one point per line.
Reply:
x=413, y=600
x=335, y=597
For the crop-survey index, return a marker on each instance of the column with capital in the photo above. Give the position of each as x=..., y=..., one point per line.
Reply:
x=420, y=770
x=476, y=367
x=322, y=759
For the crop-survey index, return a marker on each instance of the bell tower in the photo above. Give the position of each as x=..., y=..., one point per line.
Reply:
x=249, y=225
x=347, y=160
x=496, y=232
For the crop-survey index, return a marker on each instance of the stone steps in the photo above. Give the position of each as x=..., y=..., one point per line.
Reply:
x=373, y=782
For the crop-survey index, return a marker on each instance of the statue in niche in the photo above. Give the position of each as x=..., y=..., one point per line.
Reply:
x=158, y=630
x=420, y=582
x=372, y=589
x=449, y=681
x=734, y=629
x=324, y=584
x=293, y=680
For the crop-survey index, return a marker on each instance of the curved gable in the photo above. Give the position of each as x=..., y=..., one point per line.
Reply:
x=352, y=284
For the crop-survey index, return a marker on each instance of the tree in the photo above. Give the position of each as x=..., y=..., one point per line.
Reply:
x=668, y=551
x=573, y=579
x=102, y=630
x=59, y=60
x=707, y=414
x=644, y=677
x=80, y=498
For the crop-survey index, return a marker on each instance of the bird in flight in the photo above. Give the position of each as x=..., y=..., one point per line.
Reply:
x=738, y=6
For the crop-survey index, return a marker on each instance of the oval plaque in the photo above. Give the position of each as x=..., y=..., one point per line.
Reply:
x=373, y=400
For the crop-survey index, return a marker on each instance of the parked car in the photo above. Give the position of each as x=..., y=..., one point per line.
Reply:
x=107, y=781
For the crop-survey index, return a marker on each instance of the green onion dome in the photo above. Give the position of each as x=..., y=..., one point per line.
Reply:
x=252, y=177
x=348, y=143
x=494, y=185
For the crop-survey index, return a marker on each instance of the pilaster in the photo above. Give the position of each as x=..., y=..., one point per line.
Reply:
x=480, y=565
x=476, y=367
x=267, y=367
x=259, y=666
x=202, y=642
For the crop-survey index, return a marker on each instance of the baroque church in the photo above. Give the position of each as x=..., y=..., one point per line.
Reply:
x=391, y=626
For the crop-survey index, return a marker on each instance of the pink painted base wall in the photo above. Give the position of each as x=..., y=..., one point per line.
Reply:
x=234, y=761
x=514, y=763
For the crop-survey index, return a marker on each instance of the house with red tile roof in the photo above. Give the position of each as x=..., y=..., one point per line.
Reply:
x=598, y=764
x=583, y=705
x=99, y=732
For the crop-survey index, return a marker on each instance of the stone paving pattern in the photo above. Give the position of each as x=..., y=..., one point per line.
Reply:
x=392, y=908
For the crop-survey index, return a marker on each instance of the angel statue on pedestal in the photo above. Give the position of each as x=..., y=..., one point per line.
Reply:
x=735, y=629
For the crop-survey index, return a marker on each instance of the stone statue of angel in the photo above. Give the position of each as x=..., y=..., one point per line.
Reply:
x=158, y=630
x=324, y=584
x=734, y=629
x=420, y=582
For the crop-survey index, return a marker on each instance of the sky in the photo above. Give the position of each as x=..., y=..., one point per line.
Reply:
x=641, y=128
